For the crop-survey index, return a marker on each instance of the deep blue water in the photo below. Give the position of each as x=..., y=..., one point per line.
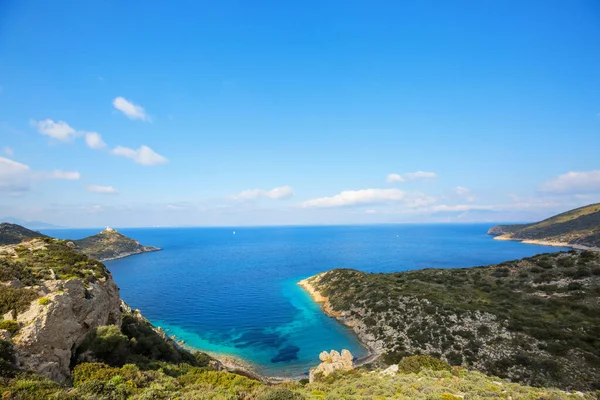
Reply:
x=237, y=294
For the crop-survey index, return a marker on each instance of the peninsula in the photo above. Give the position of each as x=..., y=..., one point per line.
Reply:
x=110, y=245
x=535, y=321
x=578, y=228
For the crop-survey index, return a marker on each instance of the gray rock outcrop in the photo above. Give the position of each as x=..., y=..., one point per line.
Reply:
x=331, y=362
x=56, y=324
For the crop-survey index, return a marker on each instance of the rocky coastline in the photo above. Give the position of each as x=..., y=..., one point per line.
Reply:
x=576, y=246
x=374, y=348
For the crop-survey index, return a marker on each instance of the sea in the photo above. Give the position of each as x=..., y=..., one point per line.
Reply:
x=233, y=291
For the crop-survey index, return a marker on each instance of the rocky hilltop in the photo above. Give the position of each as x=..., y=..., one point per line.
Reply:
x=578, y=228
x=535, y=321
x=13, y=233
x=110, y=245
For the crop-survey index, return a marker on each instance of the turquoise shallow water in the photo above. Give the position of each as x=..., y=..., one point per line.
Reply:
x=238, y=294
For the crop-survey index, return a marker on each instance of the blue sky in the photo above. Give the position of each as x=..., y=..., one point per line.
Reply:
x=269, y=112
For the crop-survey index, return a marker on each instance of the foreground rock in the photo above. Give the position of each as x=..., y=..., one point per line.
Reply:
x=332, y=362
x=54, y=314
x=53, y=327
x=110, y=245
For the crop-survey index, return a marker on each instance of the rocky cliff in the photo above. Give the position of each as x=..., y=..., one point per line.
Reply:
x=52, y=315
x=110, y=245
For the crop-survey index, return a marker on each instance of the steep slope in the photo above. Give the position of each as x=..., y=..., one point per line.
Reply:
x=110, y=245
x=534, y=321
x=13, y=234
x=59, y=308
x=579, y=227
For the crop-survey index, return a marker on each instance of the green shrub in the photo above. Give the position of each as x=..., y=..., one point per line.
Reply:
x=7, y=359
x=108, y=345
x=93, y=371
x=9, y=325
x=414, y=364
x=43, y=301
x=18, y=299
x=280, y=394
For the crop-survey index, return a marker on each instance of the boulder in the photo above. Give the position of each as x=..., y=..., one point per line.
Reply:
x=52, y=330
x=331, y=362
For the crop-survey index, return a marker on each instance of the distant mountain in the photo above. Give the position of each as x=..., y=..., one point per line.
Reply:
x=30, y=224
x=578, y=227
x=110, y=245
x=13, y=233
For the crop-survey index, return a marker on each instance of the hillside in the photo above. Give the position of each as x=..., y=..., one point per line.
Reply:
x=578, y=227
x=110, y=245
x=13, y=234
x=535, y=321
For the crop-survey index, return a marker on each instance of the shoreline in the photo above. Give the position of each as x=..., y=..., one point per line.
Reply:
x=231, y=363
x=547, y=243
x=372, y=353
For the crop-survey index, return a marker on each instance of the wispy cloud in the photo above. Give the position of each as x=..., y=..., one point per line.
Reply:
x=59, y=174
x=357, y=197
x=394, y=178
x=102, y=189
x=14, y=176
x=130, y=109
x=278, y=193
x=143, y=156
x=8, y=151
x=465, y=193
x=410, y=176
x=574, y=183
x=94, y=140
x=57, y=130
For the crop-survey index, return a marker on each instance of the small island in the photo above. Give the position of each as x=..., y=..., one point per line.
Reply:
x=110, y=245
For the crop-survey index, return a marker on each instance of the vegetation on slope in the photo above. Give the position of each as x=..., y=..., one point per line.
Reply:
x=14, y=234
x=580, y=226
x=99, y=381
x=535, y=321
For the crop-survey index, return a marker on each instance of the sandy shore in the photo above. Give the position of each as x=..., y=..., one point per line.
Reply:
x=244, y=367
x=548, y=243
x=373, y=354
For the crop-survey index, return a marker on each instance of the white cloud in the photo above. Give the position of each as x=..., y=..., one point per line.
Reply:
x=574, y=183
x=410, y=176
x=8, y=151
x=357, y=197
x=371, y=211
x=394, y=178
x=14, y=176
x=144, y=155
x=420, y=175
x=94, y=140
x=459, y=207
x=278, y=193
x=130, y=109
x=465, y=193
x=60, y=174
x=58, y=130
x=102, y=189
